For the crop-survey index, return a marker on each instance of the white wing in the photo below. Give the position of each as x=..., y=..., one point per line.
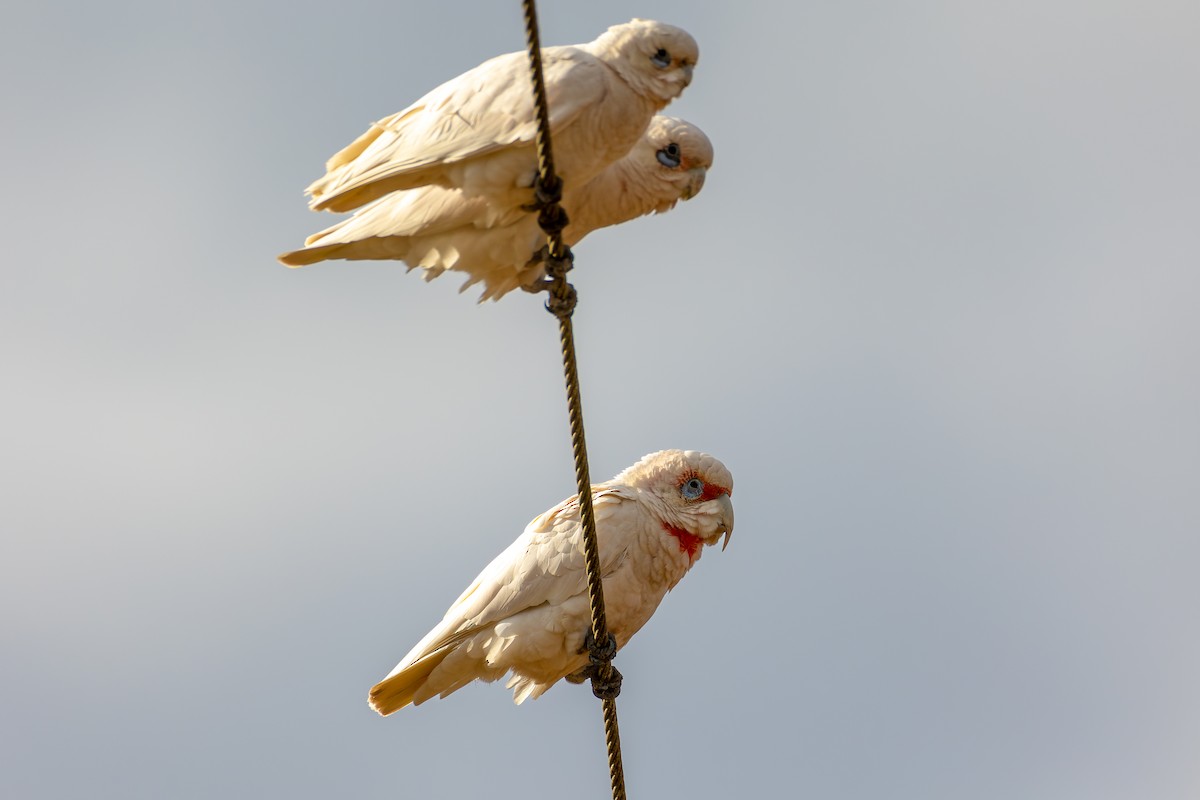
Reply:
x=545, y=565
x=483, y=111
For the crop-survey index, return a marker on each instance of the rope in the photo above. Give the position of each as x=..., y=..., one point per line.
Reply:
x=601, y=645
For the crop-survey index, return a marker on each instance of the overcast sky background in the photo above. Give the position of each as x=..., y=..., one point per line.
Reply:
x=936, y=309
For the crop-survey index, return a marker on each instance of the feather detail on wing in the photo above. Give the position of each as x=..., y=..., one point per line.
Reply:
x=398, y=690
x=485, y=110
x=410, y=226
x=544, y=566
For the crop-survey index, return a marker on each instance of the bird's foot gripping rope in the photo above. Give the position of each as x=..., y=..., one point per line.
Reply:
x=552, y=218
x=562, y=294
x=547, y=200
x=606, y=687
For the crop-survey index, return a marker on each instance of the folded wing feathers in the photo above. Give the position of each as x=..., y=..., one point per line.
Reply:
x=470, y=642
x=484, y=110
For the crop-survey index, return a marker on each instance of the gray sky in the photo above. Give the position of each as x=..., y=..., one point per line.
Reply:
x=935, y=309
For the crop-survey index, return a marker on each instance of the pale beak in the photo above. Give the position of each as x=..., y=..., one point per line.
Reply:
x=695, y=183
x=687, y=74
x=726, y=518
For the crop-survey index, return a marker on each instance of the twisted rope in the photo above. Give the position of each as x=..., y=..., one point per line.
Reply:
x=601, y=645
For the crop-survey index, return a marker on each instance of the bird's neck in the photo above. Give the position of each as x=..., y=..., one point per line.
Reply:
x=612, y=197
x=689, y=543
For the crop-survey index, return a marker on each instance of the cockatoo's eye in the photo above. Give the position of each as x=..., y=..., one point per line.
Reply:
x=692, y=489
x=661, y=59
x=669, y=156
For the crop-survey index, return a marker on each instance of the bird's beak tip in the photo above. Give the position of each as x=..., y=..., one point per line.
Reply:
x=726, y=519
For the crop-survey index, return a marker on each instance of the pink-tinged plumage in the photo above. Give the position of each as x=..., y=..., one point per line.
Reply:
x=437, y=229
x=476, y=132
x=527, y=613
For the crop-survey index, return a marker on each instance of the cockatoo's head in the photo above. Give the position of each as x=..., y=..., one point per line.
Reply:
x=675, y=156
x=688, y=489
x=655, y=58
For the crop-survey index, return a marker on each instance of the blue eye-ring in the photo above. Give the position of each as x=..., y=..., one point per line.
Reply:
x=692, y=489
x=669, y=156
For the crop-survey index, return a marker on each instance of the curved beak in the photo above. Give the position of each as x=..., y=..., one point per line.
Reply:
x=696, y=177
x=726, y=518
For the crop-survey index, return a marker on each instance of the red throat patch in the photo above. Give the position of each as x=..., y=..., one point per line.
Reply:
x=688, y=543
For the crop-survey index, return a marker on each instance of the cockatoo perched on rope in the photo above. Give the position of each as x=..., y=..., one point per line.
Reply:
x=528, y=613
x=436, y=229
x=476, y=132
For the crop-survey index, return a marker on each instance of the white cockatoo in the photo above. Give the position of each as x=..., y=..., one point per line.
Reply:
x=527, y=613
x=476, y=132
x=435, y=228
